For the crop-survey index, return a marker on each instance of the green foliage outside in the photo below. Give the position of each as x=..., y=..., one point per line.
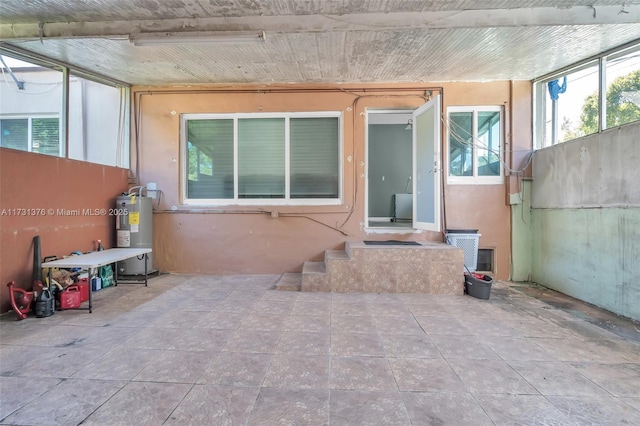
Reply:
x=620, y=109
x=45, y=135
x=199, y=163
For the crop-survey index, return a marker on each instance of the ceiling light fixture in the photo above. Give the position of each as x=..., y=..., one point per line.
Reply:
x=188, y=37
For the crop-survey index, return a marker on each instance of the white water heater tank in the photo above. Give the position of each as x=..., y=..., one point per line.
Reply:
x=134, y=229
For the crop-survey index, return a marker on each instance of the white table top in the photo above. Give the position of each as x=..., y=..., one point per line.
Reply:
x=96, y=259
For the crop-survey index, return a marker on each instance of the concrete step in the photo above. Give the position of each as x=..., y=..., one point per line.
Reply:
x=314, y=277
x=290, y=281
x=314, y=268
x=335, y=255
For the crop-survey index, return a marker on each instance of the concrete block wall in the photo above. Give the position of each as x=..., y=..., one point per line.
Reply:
x=585, y=219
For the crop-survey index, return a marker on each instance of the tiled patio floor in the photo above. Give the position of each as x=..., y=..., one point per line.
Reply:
x=210, y=350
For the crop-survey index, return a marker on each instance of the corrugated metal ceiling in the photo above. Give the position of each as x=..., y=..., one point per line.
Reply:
x=458, y=51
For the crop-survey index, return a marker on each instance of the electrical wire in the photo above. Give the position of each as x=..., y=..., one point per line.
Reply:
x=358, y=93
x=476, y=143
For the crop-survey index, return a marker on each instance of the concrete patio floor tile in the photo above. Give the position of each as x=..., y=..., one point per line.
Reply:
x=304, y=344
x=243, y=353
x=202, y=339
x=221, y=320
x=556, y=378
x=291, y=407
x=466, y=347
x=356, y=344
x=175, y=367
x=253, y=341
x=425, y=375
x=517, y=349
x=360, y=373
x=449, y=326
x=298, y=372
x=459, y=409
x=491, y=376
x=236, y=369
x=353, y=324
x=618, y=379
x=632, y=402
x=308, y=323
x=119, y=364
x=522, y=410
x=215, y=405
x=409, y=346
x=596, y=410
x=367, y=408
x=405, y=324
x=146, y=402
x=69, y=402
x=16, y=392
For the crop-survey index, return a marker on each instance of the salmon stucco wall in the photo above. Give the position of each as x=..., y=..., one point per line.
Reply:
x=63, y=201
x=277, y=239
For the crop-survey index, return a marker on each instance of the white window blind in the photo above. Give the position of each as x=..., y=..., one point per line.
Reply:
x=261, y=149
x=15, y=133
x=45, y=136
x=314, y=157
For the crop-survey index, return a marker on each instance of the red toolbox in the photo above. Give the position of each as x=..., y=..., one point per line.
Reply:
x=83, y=283
x=70, y=297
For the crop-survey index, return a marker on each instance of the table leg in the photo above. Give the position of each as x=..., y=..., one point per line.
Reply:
x=90, y=273
x=146, y=258
x=115, y=275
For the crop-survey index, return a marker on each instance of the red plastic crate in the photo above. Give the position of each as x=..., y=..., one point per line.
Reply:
x=70, y=297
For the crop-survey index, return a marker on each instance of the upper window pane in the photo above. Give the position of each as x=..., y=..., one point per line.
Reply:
x=31, y=108
x=210, y=159
x=489, y=143
x=623, y=89
x=461, y=144
x=315, y=143
x=578, y=104
x=261, y=160
x=96, y=122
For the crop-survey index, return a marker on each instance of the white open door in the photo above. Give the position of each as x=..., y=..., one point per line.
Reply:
x=426, y=166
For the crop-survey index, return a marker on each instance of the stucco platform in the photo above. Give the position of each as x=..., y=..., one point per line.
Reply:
x=428, y=268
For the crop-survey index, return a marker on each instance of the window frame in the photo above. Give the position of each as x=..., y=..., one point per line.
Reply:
x=30, y=119
x=287, y=200
x=123, y=159
x=540, y=95
x=475, y=179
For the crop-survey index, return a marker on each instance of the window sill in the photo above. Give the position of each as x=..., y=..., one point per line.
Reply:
x=470, y=180
x=257, y=202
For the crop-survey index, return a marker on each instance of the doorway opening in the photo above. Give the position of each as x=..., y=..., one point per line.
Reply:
x=403, y=169
x=390, y=165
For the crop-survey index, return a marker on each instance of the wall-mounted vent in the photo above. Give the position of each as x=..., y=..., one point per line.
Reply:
x=485, y=260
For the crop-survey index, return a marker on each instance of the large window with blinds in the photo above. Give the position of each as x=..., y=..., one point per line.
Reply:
x=33, y=134
x=285, y=158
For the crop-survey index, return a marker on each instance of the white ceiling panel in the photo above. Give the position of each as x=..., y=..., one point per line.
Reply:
x=346, y=41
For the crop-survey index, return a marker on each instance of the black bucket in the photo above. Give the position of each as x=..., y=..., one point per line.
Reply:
x=480, y=288
x=44, y=306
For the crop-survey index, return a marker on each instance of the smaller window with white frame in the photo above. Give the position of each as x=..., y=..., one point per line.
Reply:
x=261, y=158
x=475, y=141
